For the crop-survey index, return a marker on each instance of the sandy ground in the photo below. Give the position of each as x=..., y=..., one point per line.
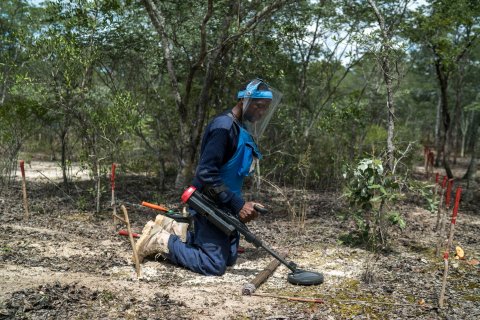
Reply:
x=70, y=263
x=46, y=171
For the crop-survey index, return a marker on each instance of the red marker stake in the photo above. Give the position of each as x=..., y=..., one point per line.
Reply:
x=449, y=193
x=112, y=182
x=125, y=233
x=444, y=182
x=450, y=240
x=24, y=189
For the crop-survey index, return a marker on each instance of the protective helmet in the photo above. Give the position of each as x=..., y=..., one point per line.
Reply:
x=259, y=103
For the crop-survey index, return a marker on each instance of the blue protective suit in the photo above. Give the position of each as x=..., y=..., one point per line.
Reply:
x=227, y=154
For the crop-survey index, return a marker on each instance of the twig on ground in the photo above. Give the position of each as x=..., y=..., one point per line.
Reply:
x=297, y=299
x=333, y=300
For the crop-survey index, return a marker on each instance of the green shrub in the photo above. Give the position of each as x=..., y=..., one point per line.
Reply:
x=371, y=193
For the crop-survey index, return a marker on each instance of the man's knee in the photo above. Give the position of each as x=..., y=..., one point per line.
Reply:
x=215, y=269
x=213, y=260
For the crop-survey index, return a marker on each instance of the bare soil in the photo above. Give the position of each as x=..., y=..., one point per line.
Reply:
x=66, y=262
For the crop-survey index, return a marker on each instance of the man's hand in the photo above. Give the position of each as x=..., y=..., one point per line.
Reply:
x=248, y=212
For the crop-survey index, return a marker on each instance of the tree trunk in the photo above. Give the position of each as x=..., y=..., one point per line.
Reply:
x=465, y=124
x=443, y=82
x=391, y=115
x=470, y=175
x=386, y=53
x=455, y=130
x=438, y=120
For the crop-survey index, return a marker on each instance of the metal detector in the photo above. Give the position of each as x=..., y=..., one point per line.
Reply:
x=229, y=224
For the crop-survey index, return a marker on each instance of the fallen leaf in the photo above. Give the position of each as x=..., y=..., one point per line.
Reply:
x=473, y=262
x=421, y=302
x=460, y=253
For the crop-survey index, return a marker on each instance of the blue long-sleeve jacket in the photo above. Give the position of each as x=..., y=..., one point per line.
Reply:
x=219, y=144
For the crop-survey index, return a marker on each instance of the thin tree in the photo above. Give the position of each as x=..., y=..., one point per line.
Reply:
x=387, y=62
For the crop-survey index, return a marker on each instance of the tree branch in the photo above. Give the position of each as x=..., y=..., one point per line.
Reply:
x=158, y=21
x=203, y=51
x=253, y=22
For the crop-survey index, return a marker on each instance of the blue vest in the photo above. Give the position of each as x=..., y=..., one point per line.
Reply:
x=239, y=166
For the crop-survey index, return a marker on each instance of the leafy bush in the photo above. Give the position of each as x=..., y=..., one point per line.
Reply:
x=371, y=194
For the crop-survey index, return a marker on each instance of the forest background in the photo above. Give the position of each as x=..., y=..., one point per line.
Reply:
x=135, y=82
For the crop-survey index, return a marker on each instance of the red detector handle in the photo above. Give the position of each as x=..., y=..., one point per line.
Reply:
x=188, y=193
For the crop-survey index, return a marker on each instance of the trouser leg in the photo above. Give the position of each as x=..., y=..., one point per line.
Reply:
x=209, y=251
x=234, y=242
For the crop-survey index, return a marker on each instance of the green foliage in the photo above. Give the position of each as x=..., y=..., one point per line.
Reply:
x=93, y=73
x=371, y=193
x=396, y=219
x=424, y=191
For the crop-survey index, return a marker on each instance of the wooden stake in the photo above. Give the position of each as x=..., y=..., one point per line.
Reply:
x=97, y=207
x=435, y=186
x=24, y=190
x=249, y=288
x=132, y=242
x=443, y=218
x=447, y=250
x=112, y=203
x=440, y=203
x=121, y=219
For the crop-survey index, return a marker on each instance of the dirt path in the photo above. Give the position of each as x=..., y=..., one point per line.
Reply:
x=67, y=263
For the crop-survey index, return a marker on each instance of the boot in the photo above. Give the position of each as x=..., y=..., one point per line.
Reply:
x=153, y=240
x=172, y=226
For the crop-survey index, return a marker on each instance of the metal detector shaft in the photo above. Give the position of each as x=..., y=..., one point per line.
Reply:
x=227, y=223
x=289, y=264
x=250, y=237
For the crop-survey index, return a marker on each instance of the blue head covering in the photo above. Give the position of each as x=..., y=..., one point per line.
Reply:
x=252, y=91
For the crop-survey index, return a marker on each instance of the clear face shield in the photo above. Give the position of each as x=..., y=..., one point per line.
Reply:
x=259, y=103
